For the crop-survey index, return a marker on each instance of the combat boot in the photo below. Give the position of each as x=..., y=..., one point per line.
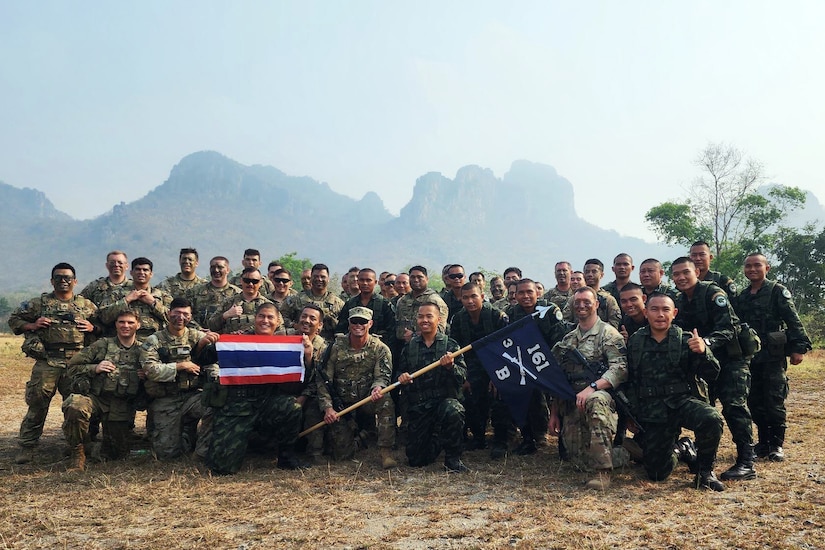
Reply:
x=387, y=460
x=635, y=450
x=499, y=450
x=454, y=465
x=743, y=469
x=706, y=479
x=600, y=482
x=78, y=459
x=685, y=451
x=775, y=452
x=288, y=461
x=25, y=455
x=762, y=448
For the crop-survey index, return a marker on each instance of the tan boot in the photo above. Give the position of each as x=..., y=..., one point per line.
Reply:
x=78, y=459
x=600, y=482
x=387, y=460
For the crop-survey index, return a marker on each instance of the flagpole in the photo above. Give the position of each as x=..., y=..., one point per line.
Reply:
x=388, y=389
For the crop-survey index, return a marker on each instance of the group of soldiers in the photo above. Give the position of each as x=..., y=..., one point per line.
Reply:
x=641, y=357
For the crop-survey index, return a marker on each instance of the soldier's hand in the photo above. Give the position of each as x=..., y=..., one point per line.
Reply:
x=554, y=425
x=447, y=361
x=147, y=298
x=105, y=366
x=796, y=358
x=408, y=334
x=696, y=343
x=133, y=295
x=468, y=390
x=623, y=332
x=209, y=338
x=42, y=322
x=142, y=374
x=330, y=416
x=84, y=325
x=405, y=378
x=188, y=366
x=376, y=394
x=234, y=311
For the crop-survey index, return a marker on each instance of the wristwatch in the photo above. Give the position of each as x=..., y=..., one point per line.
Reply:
x=594, y=386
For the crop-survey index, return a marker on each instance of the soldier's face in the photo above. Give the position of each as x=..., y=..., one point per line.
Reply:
x=116, y=265
x=526, y=295
x=685, y=276
x=511, y=293
x=358, y=328
x=218, y=269
x=402, y=283
x=455, y=276
x=127, y=326
x=632, y=302
x=418, y=281
x=63, y=280
x=141, y=274
x=660, y=313
x=188, y=263
x=584, y=305
x=251, y=261
x=511, y=276
x=309, y=322
x=428, y=318
x=306, y=279
x=622, y=267
x=319, y=281
x=756, y=268
x=576, y=280
x=472, y=299
x=267, y=321
x=366, y=283
x=650, y=275
x=497, y=289
x=179, y=317
x=701, y=256
x=592, y=275
x=563, y=274
x=477, y=279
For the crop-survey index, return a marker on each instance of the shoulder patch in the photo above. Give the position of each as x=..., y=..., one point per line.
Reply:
x=721, y=300
x=559, y=314
x=732, y=287
x=786, y=293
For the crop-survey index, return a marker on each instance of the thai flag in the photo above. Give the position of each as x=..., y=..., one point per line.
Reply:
x=255, y=359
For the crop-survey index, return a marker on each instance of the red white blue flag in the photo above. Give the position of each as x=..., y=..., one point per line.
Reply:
x=260, y=359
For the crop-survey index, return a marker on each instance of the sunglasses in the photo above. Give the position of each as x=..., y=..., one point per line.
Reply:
x=389, y=283
x=359, y=321
x=280, y=280
x=456, y=275
x=251, y=281
x=62, y=278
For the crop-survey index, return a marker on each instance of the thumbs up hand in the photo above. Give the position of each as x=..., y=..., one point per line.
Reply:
x=696, y=343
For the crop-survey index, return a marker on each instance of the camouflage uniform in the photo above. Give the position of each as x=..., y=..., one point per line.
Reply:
x=383, y=317
x=558, y=297
x=104, y=290
x=237, y=323
x=454, y=304
x=152, y=317
x=435, y=418
x=51, y=348
x=771, y=312
x=353, y=374
x=329, y=303
x=609, y=310
x=207, y=299
x=663, y=288
x=710, y=312
x=176, y=405
x=406, y=310
x=632, y=326
x=725, y=283
x=109, y=396
x=312, y=414
x=502, y=304
x=478, y=403
x=267, y=288
x=280, y=303
x=588, y=435
x=178, y=287
x=613, y=289
x=663, y=389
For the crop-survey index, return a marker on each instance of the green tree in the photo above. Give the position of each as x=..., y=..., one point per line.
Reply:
x=295, y=266
x=726, y=208
x=800, y=266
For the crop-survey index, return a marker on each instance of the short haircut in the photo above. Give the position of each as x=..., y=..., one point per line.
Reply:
x=563, y=262
x=315, y=307
x=273, y=263
x=595, y=261
x=179, y=301
x=513, y=269
x=525, y=281
x=367, y=270
x=220, y=259
x=652, y=261
x=283, y=271
x=189, y=251
x=117, y=253
x=64, y=265
x=700, y=243
x=582, y=289
x=353, y=269
x=252, y=252
x=470, y=286
x=251, y=270
x=623, y=255
x=631, y=286
x=266, y=305
x=494, y=279
x=320, y=267
x=477, y=274
x=453, y=266
x=682, y=260
x=656, y=294
x=420, y=268
x=143, y=261
x=127, y=313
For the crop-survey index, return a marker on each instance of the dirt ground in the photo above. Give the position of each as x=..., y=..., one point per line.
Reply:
x=521, y=502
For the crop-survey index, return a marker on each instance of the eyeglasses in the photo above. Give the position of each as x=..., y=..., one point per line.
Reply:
x=281, y=280
x=456, y=275
x=359, y=321
x=389, y=283
x=251, y=281
x=62, y=278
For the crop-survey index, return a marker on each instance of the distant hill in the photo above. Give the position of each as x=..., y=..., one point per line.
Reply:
x=526, y=218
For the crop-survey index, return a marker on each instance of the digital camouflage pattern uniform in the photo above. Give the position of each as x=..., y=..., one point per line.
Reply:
x=177, y=287
x=479, y=404
x=103, y=290
x=771, y=312
x=663, y=390
x=207, y=299
x=280, y=303
x=152, y=317
x=354, y=373
x=51, y=348
x=109, y=396
x=267, y=287
x=406, y=311
x=176, y=396
x=329, y=303
x=609, y=310
x=663, y=288
x=588, y=435
x=613, y=289
x=558, y=297
x=237, y=323
x=435, y=418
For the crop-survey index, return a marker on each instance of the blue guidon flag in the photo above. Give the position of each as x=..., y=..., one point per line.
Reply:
x=518, y=359
x=260, y=359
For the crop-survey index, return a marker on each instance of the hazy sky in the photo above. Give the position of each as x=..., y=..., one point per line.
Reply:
x=101, y=99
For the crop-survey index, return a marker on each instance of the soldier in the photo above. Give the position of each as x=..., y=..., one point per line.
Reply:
x=452, y=292
x=561, y=292
x=388, y=287
x=589, y=422
x=207, y=298
x=632, y=301
x=383, y=317
x=622, y=267
x=512, y=275
x=476, y=320
x=282, y=280
x=187, y=278
x=509, y=298
x=359, y=365
x=402, y=287
x=435, y=417
x=576, y=280
x=497, y=289
x=407, y=307
x=663, y=366
x=270, y=410
x=56, y=325
x=309, y=324
x=149, y=303
x=252, y=258
x=306, y=279
x=106, y=382
x=113, y=286
x=553, y=329
x=477, y=277
x=176, y=382
x=237, y=314
x=651, y=273
x=701, y=256
x=704, y=306
x=768, y=308
x=320, y=295
x=608, y=309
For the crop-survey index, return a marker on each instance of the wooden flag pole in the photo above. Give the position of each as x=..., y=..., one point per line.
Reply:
x=388, y=389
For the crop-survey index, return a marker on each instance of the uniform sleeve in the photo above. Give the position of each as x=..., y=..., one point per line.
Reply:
x=704, y=365
x=152, y=364
x=216, y=322
x=723, y=317
x=324, y=397
x=614, y=312
x=615, y=353
x=84, y=362
x=459, y=365
x=798, y=340
x=382, y=372
x=343, y=319
x=27, y=312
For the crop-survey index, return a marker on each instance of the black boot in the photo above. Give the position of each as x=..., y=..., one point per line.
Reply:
x=454, y=465
x=705, y=478
x=685, y=451
x=743, y=469
x=762, y=448
x=499, y=450
x=775, y=452
x=288, y=461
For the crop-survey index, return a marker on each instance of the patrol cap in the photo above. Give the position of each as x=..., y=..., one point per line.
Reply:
x=362, y=312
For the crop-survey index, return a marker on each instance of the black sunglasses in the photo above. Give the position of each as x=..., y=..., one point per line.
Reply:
x=388, y=283
x=359, y=321
x=62, y=278
x=280, y=280
x=456, y=275
x=251, y=281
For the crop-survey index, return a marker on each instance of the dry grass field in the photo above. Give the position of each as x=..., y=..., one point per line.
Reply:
x=531, y=502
